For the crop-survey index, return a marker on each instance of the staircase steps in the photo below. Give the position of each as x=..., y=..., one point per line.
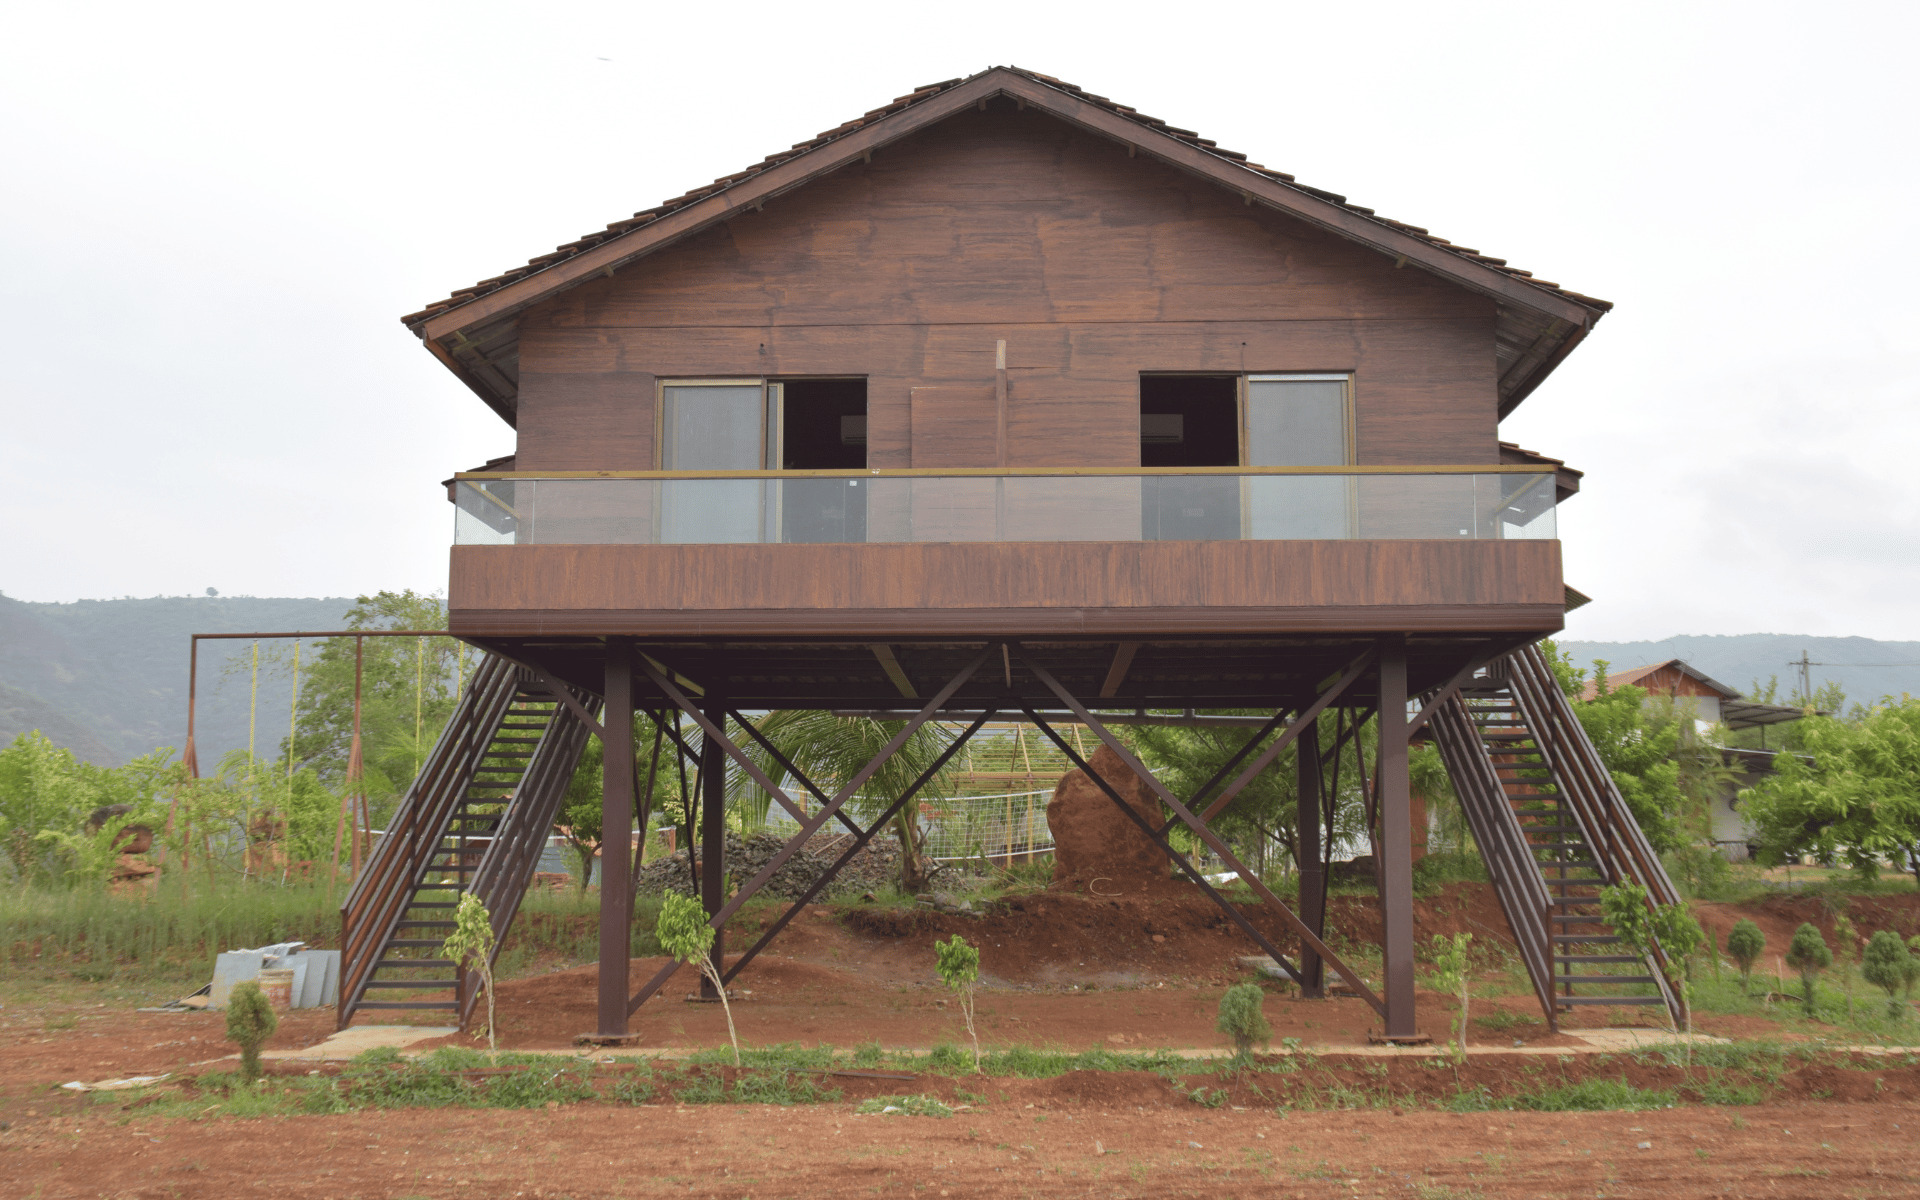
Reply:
x=1535, y=794
x=509, y=748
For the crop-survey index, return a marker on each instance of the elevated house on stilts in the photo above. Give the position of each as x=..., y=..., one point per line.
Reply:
x=1009, y=401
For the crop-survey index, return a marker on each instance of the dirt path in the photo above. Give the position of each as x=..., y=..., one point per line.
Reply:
x=1054, y=1147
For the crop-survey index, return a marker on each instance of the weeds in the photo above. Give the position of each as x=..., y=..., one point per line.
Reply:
x=907, y=1106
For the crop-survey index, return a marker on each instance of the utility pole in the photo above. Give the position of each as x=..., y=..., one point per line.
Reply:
x=1806, y=678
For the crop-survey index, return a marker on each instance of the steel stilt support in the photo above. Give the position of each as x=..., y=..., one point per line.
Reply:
x=616, y=813
x=1307, y=858
x=713, y=839
x=1396, y=841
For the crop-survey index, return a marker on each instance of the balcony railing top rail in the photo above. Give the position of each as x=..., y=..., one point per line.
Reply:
x=715, y=508
x=1011, y=472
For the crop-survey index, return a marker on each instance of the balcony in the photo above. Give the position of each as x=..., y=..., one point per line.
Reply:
x=903, y=555
x=874, y=507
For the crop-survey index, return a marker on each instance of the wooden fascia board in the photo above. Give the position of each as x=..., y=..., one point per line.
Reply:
x=793, y=173
x=1332, y=217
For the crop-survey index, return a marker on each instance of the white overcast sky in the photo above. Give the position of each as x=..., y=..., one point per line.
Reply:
x=212, y=215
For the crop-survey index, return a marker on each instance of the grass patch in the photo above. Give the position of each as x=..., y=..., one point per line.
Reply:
x=905, y=1106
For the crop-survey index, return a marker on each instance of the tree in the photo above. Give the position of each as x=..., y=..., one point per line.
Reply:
x=1891, y=967
x=959, y=967
x=471, y=945
x=408, y=690
x=683, y=931
x=1808, y=954
x=832, y=749
x=1638, y=746
x=47, y=796
x=578, y=820
x=250, y=1022
x=1666, y=932
x=1745, y=942
x=1858, y=798
x=1450, y=974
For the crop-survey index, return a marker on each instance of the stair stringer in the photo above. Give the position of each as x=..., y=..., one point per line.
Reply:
x=1503, y=845
x=1620, y=848
x=513, y=854
x=382, y=894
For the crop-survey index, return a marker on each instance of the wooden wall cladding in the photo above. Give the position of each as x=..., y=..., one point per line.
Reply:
x=1093, y=268
x=586, y=421
x=1093, y=586
x=953, y=427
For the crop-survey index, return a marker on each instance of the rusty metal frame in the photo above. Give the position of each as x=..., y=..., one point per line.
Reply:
x=860, y=841
x=1308, y=937
x=809, y=825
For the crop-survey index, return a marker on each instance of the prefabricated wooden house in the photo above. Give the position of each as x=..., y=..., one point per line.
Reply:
x=1008, y=400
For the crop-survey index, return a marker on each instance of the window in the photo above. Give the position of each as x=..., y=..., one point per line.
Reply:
x=1254, y=421
x=753, y=425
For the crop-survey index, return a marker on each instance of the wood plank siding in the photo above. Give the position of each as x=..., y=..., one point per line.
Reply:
x=1001, y=224
x=1091, y=589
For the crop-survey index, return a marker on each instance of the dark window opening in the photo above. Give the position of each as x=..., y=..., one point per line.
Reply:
x=823, y=424
x=1189, y=421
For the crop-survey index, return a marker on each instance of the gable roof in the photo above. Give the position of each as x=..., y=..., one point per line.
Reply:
x=473, y=333
x=1634, y=677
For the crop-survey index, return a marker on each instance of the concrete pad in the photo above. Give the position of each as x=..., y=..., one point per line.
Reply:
x=1641, y=1039
x=358, y=1039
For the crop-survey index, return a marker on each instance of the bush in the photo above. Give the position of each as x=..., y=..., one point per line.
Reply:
x=1243, y=1018
x=1889, y=966
x=250, y=1022
x=1808, y=954
x=1745, y=942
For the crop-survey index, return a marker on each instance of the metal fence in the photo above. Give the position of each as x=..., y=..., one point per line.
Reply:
x=1009, y=826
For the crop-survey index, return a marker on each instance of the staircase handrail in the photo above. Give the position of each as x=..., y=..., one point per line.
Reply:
x=381, y=895
x=513, y=850
x=1620, y=848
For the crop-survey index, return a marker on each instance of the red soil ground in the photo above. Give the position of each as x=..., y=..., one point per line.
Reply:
x=1068, y=971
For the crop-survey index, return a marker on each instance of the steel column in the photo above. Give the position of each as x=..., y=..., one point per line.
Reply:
x=713, y=840
x=1306, y=854
x=616, y=813
x=1396, y=840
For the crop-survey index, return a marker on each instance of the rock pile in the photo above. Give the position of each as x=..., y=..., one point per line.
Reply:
x=876, y=866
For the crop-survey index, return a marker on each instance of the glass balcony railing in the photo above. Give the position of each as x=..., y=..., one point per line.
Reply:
x=917, y=507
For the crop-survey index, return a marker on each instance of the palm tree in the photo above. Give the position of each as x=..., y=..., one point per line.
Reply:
x=832, y=749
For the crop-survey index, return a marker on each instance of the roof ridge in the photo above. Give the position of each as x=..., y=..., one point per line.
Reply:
x=919, y=95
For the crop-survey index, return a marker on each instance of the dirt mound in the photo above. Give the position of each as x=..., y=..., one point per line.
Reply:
x=1779, y=916
x=877, y=864
x=1095, y=841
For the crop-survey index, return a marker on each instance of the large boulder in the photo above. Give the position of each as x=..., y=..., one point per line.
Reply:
x=1096, y=848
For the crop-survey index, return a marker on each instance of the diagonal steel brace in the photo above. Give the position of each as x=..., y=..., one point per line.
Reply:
x=809, y=825
x=859, y=843
x=1199, y=828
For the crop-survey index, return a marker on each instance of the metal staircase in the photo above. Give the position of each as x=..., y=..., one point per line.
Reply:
x=1553, y=830
x=475, y=820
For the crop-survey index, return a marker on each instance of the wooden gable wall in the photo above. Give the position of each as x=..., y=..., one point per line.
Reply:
x=1008, y=224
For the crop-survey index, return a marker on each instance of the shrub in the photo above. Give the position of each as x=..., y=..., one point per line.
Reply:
x=959, y=966
x=1243, y=1018
x=250, y=1022
x=1450, y=975
x=1745, y=942
x=1808, y=954
x=1889, y=966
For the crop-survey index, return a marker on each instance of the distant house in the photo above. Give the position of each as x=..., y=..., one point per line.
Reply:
x=1714, y=703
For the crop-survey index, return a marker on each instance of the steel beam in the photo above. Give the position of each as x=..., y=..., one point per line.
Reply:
x=1395, y=863
x=616, y=810
x=713, y=841
x=809, y=825
x=1306, y=853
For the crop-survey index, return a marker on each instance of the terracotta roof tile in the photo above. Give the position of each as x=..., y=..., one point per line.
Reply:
x=647, y=216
